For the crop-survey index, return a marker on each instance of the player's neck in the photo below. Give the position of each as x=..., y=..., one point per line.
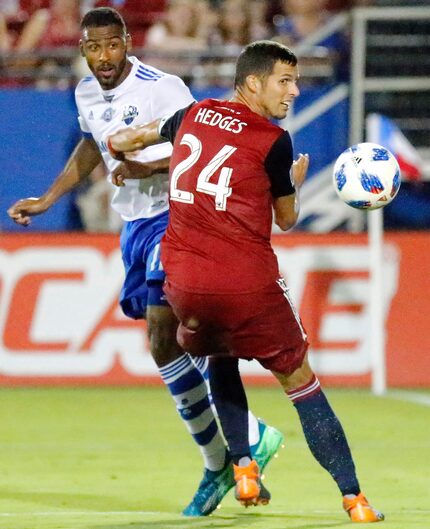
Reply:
x=241, y=97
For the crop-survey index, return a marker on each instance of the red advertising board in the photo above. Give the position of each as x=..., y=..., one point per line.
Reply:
x=60, y=322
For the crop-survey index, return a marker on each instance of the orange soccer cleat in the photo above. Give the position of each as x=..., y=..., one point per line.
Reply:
x=359, y=510
x=249, y=489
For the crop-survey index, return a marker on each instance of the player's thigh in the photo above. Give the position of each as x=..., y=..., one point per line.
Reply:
x=140, y=247
x=198, y=331
x=273, y=333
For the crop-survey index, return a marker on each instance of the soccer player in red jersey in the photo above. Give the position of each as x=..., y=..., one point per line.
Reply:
x=231, y=167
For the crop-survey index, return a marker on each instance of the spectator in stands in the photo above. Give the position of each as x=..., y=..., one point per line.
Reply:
x=302, y=19
x=138, y=14
x=13, y=16
x=179, y=28
x=182, y=30
x=50, y=28
x=260, y=16
x=236, y=28
x=237, y=22
x=5, y=39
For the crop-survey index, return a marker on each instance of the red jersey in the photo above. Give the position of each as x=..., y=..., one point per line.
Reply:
x=218, y=238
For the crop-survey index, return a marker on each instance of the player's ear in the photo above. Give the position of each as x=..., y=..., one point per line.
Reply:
x=128, y=43
x=81, y=47
x=253, y=83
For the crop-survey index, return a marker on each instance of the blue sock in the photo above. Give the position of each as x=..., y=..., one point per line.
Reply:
x=189, y=390
x=230, y=400
x=325, y=436
x=202, y=363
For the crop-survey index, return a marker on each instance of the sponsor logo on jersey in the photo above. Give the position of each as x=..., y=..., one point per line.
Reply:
x=108, y=114
x=129, y=113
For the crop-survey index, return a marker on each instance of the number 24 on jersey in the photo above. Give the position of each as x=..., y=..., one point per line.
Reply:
x=220, y=190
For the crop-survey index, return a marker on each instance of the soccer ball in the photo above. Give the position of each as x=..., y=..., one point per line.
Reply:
x=366, y=176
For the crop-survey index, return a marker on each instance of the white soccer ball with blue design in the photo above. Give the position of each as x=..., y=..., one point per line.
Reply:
x=366, y=176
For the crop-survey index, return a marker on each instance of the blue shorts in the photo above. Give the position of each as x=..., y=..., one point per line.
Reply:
x=144, y=274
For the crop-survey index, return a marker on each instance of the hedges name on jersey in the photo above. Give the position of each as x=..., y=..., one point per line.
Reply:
x=145, y=94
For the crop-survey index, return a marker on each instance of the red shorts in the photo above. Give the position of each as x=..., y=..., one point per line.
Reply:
x=261, y=325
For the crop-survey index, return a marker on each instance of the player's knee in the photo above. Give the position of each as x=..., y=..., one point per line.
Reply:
x=298, y=378
x=162, y=326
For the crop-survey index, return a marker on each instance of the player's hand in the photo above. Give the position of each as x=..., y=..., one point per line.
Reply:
x=300, y=169
x=125, y=140
x=22, y=211
x=132, y=170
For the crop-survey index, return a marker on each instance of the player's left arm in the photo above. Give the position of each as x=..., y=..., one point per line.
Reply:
x=132, y=169
x=286, y=177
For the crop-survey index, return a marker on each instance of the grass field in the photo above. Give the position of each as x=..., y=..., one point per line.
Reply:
x=121, y=459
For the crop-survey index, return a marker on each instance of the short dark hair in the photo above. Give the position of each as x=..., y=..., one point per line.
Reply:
x=259, y=58
x=103, y=16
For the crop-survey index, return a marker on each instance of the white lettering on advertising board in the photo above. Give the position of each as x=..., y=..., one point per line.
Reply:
x=59, y=315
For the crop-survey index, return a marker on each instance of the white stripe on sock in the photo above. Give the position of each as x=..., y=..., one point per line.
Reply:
x=293, y=395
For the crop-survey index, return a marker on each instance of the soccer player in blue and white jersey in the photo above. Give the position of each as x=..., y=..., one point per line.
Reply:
x=124, y=91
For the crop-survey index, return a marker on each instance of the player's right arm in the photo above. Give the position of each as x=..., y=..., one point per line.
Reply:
x=287, y=207
x=286, y=176
x=134, y=139
x=81, y=163
x=142, y=136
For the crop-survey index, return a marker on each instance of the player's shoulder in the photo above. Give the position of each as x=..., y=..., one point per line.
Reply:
x=146, y=72
x=86, y=85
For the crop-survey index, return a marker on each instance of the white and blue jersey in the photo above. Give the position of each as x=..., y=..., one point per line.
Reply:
x=145, y=95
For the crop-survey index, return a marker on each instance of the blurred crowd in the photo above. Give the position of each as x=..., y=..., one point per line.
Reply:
x=34, y=32
x=196, y=39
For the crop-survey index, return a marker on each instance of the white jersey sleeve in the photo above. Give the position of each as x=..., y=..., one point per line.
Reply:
x=84, y=127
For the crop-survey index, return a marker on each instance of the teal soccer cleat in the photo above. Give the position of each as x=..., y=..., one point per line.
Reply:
x=271, y=440
x=215, y=485
x=212, y=489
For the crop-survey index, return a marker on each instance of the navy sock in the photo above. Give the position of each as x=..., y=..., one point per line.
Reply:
x=230, y=400
x=325, y=436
